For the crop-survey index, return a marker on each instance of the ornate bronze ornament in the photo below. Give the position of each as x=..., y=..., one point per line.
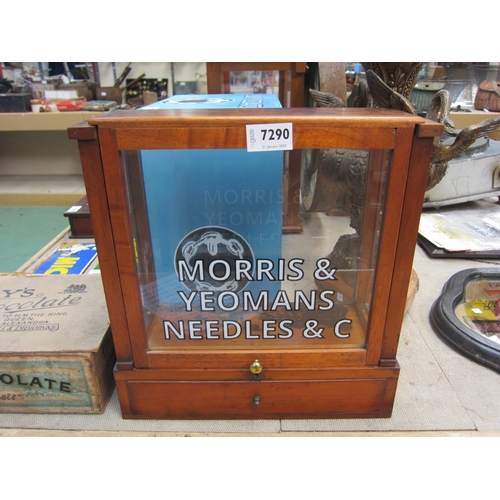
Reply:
x=390, y=86
x=399, y=76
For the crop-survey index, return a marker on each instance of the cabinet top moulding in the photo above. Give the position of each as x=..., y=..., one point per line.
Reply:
x=212, y=128
x=26, y=122
x=343, y=117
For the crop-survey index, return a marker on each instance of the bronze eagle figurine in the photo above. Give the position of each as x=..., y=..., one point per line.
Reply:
x=439, y=110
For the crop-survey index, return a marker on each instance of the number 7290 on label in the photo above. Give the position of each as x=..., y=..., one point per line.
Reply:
x=269, y=137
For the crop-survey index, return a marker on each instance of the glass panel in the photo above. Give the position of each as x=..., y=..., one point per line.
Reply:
x=467, y=314
x=251, y=82
x=480, y=308
x=215, y=267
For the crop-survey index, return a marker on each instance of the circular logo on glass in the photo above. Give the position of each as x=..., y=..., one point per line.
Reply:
x=215, y=259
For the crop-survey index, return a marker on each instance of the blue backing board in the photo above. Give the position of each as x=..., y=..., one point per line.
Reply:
x=191, y=189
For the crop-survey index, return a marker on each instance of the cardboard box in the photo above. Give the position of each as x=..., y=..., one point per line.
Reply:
x=472, y=117
x=109, y=94
x=56, y=351
x=15, y=103
x=437, y=72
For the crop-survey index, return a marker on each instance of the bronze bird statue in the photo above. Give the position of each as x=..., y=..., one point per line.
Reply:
x=326, y=100
x=439, y=110
x=442, y=154
x=385, y=97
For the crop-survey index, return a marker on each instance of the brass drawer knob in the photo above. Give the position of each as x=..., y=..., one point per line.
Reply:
x=256, y=400
x=255, y=367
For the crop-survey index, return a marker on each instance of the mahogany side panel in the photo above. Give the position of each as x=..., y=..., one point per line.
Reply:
x=92, y=169
x=114, y=180
x=413, y=201
x=387, y=250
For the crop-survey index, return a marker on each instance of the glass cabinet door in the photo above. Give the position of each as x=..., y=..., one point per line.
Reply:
x=215, y=269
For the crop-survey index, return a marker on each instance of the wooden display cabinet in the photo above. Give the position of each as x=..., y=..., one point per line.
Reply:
x=215, y=313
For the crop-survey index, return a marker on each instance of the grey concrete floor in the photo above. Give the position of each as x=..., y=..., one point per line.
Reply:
x=440, y=392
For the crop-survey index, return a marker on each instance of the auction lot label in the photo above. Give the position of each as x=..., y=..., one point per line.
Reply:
x=270, y=137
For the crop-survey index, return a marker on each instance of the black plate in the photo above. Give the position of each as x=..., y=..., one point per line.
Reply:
x=467, y=332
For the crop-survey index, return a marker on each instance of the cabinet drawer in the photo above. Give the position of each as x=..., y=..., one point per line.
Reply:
x=347, y=398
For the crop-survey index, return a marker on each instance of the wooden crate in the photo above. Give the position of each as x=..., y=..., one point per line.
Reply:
x=56, y=351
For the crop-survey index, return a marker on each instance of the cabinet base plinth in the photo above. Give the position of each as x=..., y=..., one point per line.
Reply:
x=350, y=393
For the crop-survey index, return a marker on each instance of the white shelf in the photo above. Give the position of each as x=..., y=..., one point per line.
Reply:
x=39, y=190
x=21, y=122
